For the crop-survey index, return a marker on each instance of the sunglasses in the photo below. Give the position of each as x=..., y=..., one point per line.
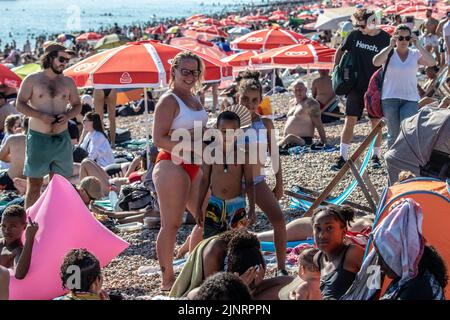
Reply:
x=402, y=38
x=187, y=72
x=63, y=60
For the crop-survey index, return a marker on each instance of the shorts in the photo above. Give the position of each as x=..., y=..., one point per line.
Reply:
x=6, y=182
x=354, y=106
x=48, y=154
x=222, y=215
x=432, y=41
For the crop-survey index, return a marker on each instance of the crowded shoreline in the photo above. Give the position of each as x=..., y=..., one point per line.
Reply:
x=151, y=251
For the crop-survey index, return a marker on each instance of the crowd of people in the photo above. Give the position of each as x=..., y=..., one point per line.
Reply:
x=49, y=128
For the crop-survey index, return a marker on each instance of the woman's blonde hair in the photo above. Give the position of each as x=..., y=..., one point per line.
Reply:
x=176, y=63
x=10, y=121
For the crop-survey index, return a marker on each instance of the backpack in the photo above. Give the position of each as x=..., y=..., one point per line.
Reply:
x=372, y=97
x=344, y=75
x=134, y=197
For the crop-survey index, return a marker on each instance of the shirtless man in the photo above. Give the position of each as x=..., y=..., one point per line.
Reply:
x=429, y=29
x=44, y=97
x=13, y=152
x=322, y=89
x=302, y=119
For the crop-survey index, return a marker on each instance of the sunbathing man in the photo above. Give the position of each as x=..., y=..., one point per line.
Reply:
x=13, y=152
x=44, y=97
x=303, y=118
x=322, y=89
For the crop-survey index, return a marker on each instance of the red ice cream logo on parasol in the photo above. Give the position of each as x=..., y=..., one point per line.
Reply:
x=125, y=78
x=11, y=83
x=296, y=53
x=254, y=39
x=84, y=66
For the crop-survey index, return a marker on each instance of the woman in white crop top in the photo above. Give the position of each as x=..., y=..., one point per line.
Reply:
x=400, y=96
x=95, y=142
x=177, y=185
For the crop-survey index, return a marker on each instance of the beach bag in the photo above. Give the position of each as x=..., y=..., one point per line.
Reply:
x=122, y=135
x=134, y=197
x=344, y=75
x=79, y=154
x=372, y=97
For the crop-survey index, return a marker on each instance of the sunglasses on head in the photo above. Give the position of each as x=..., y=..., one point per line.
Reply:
x=63, y=60
x=187, y=72
x=402, y=38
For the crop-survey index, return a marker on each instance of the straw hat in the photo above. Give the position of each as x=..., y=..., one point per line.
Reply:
x=283, y=294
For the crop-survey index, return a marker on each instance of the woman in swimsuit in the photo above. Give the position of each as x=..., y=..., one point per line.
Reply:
x=107, y=97
x=338, y=263
x=177, y=184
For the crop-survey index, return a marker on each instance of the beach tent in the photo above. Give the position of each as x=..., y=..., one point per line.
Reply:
x=27, y=69
x=433, y=197
x=330, y=18
x=420, y=134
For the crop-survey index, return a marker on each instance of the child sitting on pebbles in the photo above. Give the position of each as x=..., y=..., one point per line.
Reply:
x=309, y=274
x=81, y=274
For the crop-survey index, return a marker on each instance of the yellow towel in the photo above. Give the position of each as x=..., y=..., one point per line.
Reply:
x=191, y=276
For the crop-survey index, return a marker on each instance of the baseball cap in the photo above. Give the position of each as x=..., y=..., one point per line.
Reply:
x=92, y=186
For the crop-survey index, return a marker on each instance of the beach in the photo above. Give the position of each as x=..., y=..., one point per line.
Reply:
x=309, y=170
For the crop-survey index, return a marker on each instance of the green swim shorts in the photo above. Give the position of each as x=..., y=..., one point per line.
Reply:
x=47, y=153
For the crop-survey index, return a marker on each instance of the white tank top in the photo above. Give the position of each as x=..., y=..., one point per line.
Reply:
x=186, y=117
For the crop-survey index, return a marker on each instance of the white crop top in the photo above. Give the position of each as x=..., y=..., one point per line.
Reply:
x=186, y=117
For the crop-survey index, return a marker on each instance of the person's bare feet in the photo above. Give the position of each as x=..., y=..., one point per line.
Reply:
x=183, y=249
x=21, y=185
x=167, y=286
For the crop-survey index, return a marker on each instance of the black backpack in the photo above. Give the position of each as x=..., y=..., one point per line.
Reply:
x=134, y=197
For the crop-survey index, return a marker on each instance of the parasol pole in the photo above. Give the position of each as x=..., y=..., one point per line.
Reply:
x=147, y=128
x=273, y=80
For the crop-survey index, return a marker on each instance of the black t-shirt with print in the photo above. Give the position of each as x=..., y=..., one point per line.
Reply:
x=365, y=48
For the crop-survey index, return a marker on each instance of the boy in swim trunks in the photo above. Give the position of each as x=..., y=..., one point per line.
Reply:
x=226, y=206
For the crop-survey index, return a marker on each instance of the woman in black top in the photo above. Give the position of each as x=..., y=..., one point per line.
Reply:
x=338, y=262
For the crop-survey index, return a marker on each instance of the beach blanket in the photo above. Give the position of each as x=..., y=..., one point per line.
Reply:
x=399, y=241
x=135, y=144
x=304, y=205
x=299, y=150
x=105, y=204
x=191, y=276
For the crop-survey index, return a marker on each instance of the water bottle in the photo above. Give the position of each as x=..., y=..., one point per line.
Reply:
x=113, y=198
x=295, y=150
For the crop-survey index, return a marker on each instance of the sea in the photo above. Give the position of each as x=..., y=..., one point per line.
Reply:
x=26, y=19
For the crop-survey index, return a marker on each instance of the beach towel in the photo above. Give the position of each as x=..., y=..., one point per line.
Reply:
x=299, y=150
x=399, y=242
x=191, y=276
